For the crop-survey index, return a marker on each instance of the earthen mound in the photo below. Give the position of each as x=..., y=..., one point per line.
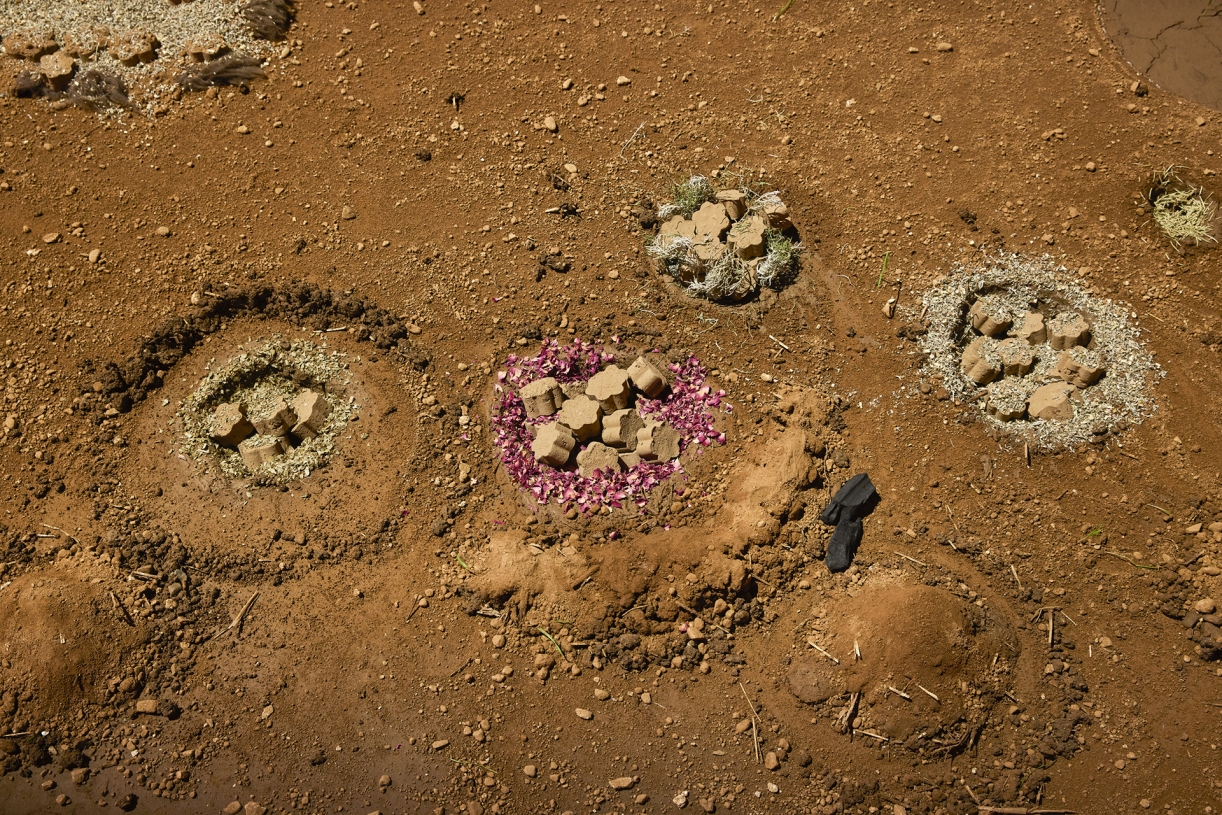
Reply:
x=63, y=641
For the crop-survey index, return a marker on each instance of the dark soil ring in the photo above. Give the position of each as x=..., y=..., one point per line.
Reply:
x=136, y=377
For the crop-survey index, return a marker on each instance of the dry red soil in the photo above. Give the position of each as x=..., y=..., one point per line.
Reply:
x=1021, y=615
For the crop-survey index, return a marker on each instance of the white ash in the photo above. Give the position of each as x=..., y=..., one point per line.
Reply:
x=1018, y=283
x=258, y=379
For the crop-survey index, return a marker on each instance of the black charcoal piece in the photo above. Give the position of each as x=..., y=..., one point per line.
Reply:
x=843, y=545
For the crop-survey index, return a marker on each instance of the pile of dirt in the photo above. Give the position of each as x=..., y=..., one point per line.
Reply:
x=913, y=664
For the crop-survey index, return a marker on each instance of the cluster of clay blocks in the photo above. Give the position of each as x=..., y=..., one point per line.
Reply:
x=1008, y=350
x=275, y=433
x=599, y=414
x=722, y=251
x=132, y=47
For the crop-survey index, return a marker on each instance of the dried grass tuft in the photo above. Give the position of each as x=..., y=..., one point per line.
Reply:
x=268, y=19
x=232, y=70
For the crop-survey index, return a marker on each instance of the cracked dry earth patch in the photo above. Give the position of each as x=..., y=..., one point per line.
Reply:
x=1175, y=43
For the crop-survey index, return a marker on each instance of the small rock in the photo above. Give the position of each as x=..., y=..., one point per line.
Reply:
x=1091, y=167
x=498, y=640
x=530, y=771
x=266, y=713
x=570, y=168
x=384, y=781
x=440, y=744
x=622, y=783
x=51, y=237
x=148, y=706
x=549, y=123
x=582, y=713
x=771, y=762
x=622, y=80
x=1206, y=606
x=80, y=775
x=601, y=695
x=163, y=231
x=95, y=255
x=347, y=213
x=708, y=804
x=253, y=808
x=944, y=47
x=232, y=808
x=1200, y=121
x=680, y=800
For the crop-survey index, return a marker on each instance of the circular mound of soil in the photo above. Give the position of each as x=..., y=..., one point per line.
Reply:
x=1037, y=353
x=1175, y=43
x=63, y=641
x=930, y=663
x=251, y=393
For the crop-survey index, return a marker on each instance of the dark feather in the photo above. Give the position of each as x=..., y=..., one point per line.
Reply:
x=231, y=70
x=268, y=19
x=94, y=89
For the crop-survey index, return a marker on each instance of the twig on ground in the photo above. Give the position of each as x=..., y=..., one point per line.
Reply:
x=114, y=598
x=811, y=643
x=930, y=693
x=237, y=621
x=415, y=607
x=754, y=719
x=778, y=342
x=1126, y=560
x=899, y=692
x=914, y=560
x=635, y=133
x=871, y=735
x=1014, y=572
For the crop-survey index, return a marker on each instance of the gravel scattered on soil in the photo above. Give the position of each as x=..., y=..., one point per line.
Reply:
x=1016, y=283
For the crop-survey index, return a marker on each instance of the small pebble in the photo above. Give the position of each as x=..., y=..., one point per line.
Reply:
x=582, y=713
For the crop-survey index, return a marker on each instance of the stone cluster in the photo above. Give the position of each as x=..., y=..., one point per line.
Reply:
x=597, y=420
x=1006, y=349
x=721, y=229
x=278, y=428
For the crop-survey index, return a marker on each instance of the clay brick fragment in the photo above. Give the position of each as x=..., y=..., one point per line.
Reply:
x=597, y=457
x=543, y=397
x=311, y=409
x=747, y=237
x=278, y=420
x=620, y=429
x=1016, y=356
x=657, y=441
x=988, y=318
x=583, y=416
x=980, y=361
x=1067, y=330
x=1080, y=367
x=647, y=378
x=230, y=425
x=1052, y=401
x=133, y=47
x=735, y=203
x=1031, y=329
x=259, y=450
x=553, y=444
x=609, y=387
x=711, y=219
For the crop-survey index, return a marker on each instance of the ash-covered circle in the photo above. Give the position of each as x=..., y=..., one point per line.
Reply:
x=272, y=414
x=1037, y=353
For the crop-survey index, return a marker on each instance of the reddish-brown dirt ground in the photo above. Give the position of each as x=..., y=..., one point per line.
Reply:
x=364, y=657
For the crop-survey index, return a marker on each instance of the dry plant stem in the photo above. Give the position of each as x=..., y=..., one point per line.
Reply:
x=930, y=694
x=114, y=598
x=1014, y=572
x=899, y=692
x=914, y=560
x=237, y=621
x=811, y=643
x=754, y=719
